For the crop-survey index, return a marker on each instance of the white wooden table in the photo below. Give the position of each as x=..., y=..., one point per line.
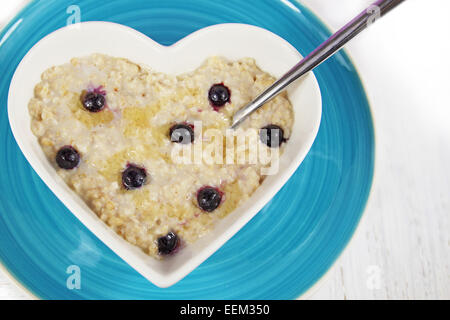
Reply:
x=401, y=248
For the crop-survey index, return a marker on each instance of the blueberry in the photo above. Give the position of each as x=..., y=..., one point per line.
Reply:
x=219, y=95
x=93, y=102
x=182, y=133
x=134, y=177
x=209, y=198
x=168, y=243
x=67, y=158
x=272, y=135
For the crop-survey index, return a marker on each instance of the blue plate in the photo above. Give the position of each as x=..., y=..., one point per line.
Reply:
x=280, y=254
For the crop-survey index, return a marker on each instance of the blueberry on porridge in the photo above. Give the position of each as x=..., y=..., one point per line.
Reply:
x=93, y=102
x=67, y=158
x=133, y=177
x=272, y=135
x=219, y=95
x=182, y=133
x=168, y=244
x=116, y=128
x=209, y=198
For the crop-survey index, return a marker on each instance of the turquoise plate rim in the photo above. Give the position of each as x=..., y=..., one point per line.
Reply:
x=320, y=281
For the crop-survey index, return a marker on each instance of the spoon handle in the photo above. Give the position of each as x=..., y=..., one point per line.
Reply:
x=319, y=55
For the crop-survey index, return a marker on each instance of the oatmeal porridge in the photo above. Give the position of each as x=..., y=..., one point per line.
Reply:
x=111, y=127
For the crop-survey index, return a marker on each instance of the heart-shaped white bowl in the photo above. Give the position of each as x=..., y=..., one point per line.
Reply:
x=232, y=41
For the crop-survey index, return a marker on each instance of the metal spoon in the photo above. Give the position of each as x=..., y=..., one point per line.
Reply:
x=319, y=55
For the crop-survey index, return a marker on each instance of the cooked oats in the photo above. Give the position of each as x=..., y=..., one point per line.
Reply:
x=141, y=106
